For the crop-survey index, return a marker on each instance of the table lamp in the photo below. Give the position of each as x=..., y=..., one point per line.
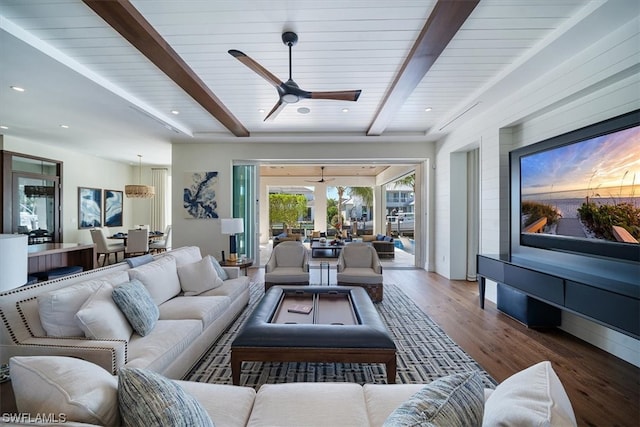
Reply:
x=13, y=261
x=232, y=226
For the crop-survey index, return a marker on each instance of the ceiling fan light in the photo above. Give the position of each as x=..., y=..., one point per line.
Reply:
x=139, y=191
x=290, y=98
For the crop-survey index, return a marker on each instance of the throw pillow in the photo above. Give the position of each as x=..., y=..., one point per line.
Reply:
x=100, y=318
x=281, y=235
x=532, y=397
x=74, y=388
x=146, y=398
x=135, y=302
x=221, y=273
x=160, y=277
x=58, y=308
x=198, y=277
x=137, y=261
x=455, y=400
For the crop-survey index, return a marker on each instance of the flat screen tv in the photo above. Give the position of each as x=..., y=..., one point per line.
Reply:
x=579, y=192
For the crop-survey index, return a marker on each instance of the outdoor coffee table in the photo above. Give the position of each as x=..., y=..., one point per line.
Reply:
x=319, y=249
x=341, y=326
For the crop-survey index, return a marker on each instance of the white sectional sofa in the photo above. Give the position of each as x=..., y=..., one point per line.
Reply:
x=54, y=389
x=43, y=319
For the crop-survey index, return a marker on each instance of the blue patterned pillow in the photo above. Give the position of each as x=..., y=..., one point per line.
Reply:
x=455, y=400
x=135, y=302
x=146, y=398
x=216, y=265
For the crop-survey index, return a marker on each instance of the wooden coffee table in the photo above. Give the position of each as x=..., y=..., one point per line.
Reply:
x=343, y=326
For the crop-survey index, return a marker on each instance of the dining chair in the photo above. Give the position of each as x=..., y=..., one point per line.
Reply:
x=163, y=244
x=103, y=248
x=137, y=243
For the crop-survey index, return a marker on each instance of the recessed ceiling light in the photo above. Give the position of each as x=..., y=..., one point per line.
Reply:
x=17, y=88
x=428, y=109
x=345, y=110
x=64, y=126
x=261, y=110
x=303, y=110
x=4, y=127
x=176, y=112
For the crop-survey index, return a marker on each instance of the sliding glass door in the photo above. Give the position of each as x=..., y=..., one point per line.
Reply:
x=245, y=205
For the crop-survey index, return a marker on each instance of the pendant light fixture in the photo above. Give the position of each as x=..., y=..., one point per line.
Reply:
x=139, y=191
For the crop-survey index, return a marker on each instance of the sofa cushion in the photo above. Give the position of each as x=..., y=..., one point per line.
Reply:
x=221, y=271
x=80, y=390
x=147, y=398
x=57, y=309
x=184, y=255
x=290, y=404
x=532, y=397
x=231, y=288
x=100, y=318
x=160, y=277
x=133, y=299
x=227, y=405
x=383, y=399
x=166, y=342
x=204, y=308
x=198, y=277
x=454, y=400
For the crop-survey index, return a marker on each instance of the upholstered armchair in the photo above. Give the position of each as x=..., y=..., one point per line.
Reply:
x=287, y=265
x=359, y=265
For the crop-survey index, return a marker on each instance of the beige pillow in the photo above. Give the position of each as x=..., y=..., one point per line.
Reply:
x=198, y=277
x=532, y=397
x=58, y=308
x=160, y=277
x=100, y=318
x=65, y=387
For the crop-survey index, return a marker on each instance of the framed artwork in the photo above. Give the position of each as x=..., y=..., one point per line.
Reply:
x=89, y=207
x=112, y=208
x=199, y=195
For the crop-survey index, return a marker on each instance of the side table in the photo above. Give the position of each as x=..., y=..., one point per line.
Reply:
x=242, y=264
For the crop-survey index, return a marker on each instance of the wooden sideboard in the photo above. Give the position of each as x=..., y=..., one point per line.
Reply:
x=613, y=302
x=47, y=256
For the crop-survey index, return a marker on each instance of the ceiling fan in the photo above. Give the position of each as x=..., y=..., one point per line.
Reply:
x=289, y=92
x=323, y=179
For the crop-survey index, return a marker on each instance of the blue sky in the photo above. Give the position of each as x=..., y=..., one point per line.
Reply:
x=607, y=161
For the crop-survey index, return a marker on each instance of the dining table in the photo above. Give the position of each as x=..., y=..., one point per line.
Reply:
x=153, y=235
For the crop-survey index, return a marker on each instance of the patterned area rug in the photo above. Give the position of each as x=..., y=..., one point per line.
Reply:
x=424, y=352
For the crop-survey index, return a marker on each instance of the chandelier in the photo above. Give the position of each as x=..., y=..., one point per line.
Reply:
x=139, y=191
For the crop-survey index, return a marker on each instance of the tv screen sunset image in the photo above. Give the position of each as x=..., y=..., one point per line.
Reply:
x=587, y=189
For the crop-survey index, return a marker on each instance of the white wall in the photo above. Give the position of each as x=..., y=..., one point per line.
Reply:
x=598, y=83
x=79, y=170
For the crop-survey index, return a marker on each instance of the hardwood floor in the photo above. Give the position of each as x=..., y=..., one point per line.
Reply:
x=604, y=390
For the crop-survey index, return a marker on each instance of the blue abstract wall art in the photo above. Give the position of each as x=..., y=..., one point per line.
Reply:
x=199, y=195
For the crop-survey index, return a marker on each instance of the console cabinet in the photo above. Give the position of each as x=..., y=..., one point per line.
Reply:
x=613, y=303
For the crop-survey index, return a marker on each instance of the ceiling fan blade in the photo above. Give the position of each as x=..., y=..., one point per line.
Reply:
x=255, y=67
x=340, y=95
x=275, y=110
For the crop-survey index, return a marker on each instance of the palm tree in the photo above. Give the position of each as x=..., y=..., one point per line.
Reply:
x=409, y=180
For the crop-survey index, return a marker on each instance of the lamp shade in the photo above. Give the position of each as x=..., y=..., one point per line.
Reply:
x=13, y=261
x=231, y=225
